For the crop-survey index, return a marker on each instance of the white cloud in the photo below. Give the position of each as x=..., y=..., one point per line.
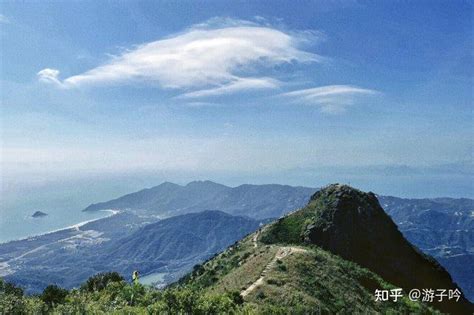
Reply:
x=202, y=104
x=235, y=86
x=330, y=98
x=49, y=76
x=212, y=60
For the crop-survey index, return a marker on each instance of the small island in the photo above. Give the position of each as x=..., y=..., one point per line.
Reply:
x=39, y=214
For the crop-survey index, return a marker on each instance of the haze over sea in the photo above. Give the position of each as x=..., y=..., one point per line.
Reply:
x=63, y=199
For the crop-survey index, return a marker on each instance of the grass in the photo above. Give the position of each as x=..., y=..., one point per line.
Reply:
x=301, y=282
x=305, y=282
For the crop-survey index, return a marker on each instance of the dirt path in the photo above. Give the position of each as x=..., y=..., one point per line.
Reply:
x=255, y=239
x=281, y=253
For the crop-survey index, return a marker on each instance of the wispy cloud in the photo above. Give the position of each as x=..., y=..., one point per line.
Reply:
x=202, y=61
x=49, y=76
x=238, y=85
x=202, y=104
x=331, y=98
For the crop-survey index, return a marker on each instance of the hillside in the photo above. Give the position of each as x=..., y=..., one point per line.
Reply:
x=329, y=257
x=168, y=248
x=353, y=225
x=248, y=278
x=442, y=228
x=255, y=201
x=172, y=246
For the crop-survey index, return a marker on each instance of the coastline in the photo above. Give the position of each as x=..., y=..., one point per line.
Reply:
x=70, y=227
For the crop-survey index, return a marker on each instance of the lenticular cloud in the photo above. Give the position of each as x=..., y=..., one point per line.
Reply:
x=206, y=59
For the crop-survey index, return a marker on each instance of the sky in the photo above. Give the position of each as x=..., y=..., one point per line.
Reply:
x=377, y=92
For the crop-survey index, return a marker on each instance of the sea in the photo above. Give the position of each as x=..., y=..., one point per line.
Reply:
x=62, y=201
x=16, y=225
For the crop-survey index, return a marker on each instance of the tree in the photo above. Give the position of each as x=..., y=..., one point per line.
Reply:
x=100, y=281
x=53, y=295
x=10, y=288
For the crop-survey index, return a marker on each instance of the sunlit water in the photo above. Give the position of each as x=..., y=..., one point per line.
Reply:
x=154, y=279
x=20, y=224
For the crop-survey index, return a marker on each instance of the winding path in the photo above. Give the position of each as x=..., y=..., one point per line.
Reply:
x=282, y=252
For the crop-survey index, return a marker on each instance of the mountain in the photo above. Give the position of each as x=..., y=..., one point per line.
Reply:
x=300, y=263
x=295, y=279
x=178, y=243
x=353, y=225
x=442, y=228
x=123, y=243
x=255, y=201
x=65, y=257
x=330, y=257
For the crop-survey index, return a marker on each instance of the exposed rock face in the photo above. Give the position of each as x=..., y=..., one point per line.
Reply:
x=39, y=214
x=353, y=225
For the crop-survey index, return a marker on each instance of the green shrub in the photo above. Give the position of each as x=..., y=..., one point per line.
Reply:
x=10, y=288
x=246, y=255
x=276, y=282
x=53, y=295
x=260, y=295
x=11, y=304
x=100, y=281
x=34, y=306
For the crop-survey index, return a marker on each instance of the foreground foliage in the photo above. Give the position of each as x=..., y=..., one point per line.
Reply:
x=116, y=297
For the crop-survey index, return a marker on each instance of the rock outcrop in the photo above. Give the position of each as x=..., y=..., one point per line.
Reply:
x=39, y=214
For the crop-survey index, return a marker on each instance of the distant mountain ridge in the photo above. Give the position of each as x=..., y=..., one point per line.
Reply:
x=442, y=228
x=255, y=201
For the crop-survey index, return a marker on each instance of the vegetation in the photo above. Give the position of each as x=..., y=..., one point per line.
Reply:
x=272, y=271
x=118, y=297
x=292, y=229
x=53, y=295
x=308, y=281
x=100, y=281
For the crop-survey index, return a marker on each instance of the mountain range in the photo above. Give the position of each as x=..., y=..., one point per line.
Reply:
x=440, y=227
x=149, y=232
x=255, y=201
x=168, y=247
x=341, y=253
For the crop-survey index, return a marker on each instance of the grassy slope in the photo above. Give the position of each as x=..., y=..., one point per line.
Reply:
x=290, y=228
x=306, y=280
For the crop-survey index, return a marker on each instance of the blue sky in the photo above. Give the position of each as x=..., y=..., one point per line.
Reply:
x=253, y=87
